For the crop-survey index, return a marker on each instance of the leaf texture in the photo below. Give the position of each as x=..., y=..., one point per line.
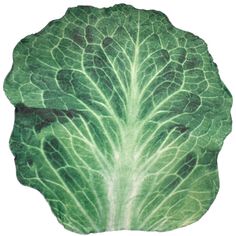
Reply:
x=119, y=120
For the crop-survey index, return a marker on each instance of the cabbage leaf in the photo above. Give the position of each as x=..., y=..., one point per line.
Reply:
x=119, y=120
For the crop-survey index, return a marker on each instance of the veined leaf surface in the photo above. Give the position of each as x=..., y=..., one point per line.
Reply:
x=119, y=120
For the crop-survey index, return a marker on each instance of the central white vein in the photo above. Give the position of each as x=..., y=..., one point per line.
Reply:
x=124, y=183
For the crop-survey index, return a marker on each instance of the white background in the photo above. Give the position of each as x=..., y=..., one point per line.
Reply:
x=23, y=211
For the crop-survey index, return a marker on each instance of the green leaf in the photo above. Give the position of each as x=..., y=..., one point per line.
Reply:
x=119, y=120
